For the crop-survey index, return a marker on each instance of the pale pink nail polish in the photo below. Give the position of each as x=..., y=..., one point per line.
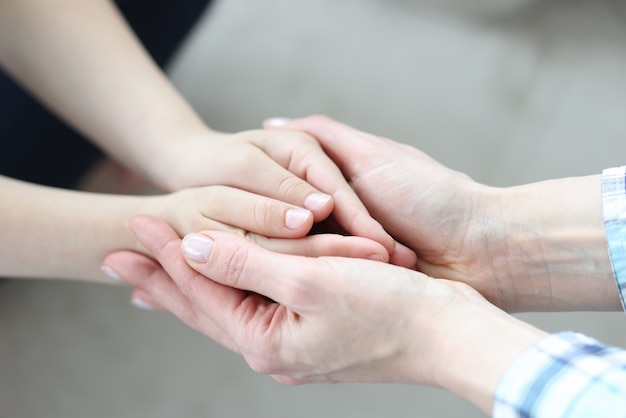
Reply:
x=111, y=273
x=197, y=247
x=315, y=201
x=294, y=218
x=276, y=122
x=142, y=304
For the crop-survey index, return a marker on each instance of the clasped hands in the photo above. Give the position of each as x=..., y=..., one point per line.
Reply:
x=337, y=316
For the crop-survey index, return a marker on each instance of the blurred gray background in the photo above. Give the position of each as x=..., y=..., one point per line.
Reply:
x=507, y=91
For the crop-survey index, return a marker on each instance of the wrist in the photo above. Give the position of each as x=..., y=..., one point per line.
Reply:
x=168, y=159
x=548, y=248
x=476, y=346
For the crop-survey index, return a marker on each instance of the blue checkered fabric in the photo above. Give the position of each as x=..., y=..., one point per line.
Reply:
x=614, y=212
x=564, y=375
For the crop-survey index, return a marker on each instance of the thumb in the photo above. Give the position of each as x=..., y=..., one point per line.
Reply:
x=237, y=263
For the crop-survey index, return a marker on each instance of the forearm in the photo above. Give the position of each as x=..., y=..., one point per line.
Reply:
x=511, y=369
x=549, y=245
x=55, y=233
x=82, y=60
x=477, y=349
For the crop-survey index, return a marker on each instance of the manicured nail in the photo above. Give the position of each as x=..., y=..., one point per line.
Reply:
x=111, y=273
x=294, y=218
x=142, y=304
x=314, y=201
x=277, y=122
x=197, y=247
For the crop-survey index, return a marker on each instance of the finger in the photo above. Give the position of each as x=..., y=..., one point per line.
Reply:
x=255, y=213
x=348, y=147
x=356, y=220
x=155, y=290
x=310, y=162
x=256, y=217
x=223, y=305
x=148, y=277
x=353, y=151
x=330, y=245
x=279, y=183
x=259, y=173
x=142, y=300
x=238, y=263
x=403, y=256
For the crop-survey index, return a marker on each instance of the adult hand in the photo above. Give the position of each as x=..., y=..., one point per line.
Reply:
x=326, y=319
x=540, y=246
x=422, y=203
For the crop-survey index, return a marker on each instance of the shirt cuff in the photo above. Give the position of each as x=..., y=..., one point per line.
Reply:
x=614, y=212
x=564, y=375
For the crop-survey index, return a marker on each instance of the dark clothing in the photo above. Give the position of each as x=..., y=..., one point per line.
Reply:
x=37, y=147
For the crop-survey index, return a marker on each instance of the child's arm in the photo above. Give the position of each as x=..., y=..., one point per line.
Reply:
x=83, y=61
x=62, y=234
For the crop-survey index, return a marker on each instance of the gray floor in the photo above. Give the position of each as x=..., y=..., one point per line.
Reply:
x=507, y=97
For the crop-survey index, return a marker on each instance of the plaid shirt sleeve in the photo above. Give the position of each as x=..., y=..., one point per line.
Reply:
x=564, y=375
x=614, y=212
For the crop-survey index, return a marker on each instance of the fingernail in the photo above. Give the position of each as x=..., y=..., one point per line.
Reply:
x=280, y=121
x=375, y=257
x=111, y=273
x=142, y=304
x=197, y=247
x=294, y=218
x=315, y=201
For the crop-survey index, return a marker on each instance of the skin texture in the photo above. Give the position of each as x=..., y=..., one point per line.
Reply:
x=539, y=246
x=516, y=246
x=325, y=319
x=331, y=319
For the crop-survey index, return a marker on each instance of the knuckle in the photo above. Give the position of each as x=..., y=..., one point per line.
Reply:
x=265, y=215
x=167, y=250
x=290, y=186
x=298, y=291
x=246, y=159
x=307, y=144
x=254, y=238
x=234, y=265
x=305, y=138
